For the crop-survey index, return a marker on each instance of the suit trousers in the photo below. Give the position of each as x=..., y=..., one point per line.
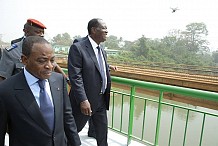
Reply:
x=100, y=122
x=91, y=130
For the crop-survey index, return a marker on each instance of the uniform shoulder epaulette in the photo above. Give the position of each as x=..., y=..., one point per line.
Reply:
x=13, y=46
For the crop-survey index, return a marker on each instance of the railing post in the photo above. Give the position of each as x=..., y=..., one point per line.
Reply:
x=131, y=114
x=158, y=118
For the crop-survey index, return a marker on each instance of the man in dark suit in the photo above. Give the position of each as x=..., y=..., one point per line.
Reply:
x=30, y=120
x=91, y=130
x=91, y=83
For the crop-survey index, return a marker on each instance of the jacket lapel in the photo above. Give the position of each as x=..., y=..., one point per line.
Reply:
x=56, y=96
x=91, y=52
x=25, y=96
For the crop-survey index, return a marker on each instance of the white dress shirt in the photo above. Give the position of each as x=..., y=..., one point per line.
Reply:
x=34, y=86
x=94, y=46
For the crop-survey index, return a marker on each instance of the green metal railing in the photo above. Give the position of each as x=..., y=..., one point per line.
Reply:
x=133, y=84
x=162, y=90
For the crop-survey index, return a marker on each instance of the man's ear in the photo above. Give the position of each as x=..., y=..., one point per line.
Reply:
x=24, y=59
x=93, y=30
x=25, y=32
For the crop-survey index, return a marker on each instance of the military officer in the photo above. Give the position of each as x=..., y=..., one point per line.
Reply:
x=10, y=62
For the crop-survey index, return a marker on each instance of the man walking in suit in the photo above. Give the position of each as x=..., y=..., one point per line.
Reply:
x=91, y=129
x=90, y=79
x=36, y=114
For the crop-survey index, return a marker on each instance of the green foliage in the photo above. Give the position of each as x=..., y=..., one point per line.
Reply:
x=112, y=43
x=2, y=43
x=215, y=56
x=1, y=39
x=195, y=34
x=142, y=47
x=188, y=47
x=62, y=39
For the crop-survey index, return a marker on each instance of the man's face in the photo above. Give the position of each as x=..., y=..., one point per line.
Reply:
x=34, y=31
x=40, y=63
x=100, y=32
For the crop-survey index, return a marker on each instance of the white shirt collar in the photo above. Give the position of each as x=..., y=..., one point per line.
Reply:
x=93, y=43
x=30, y=78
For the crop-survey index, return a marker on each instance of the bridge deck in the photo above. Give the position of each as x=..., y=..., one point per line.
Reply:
x=114, y=139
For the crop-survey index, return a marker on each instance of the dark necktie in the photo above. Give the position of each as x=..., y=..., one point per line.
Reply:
x=101, y=66
x=46, y=107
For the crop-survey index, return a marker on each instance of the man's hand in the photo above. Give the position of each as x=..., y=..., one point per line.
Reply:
x=1, y=78
x=58, y=69
x=114, y=68
x=68, y=81
x=86, y=108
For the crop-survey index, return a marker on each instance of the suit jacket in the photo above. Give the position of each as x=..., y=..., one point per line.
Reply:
x=80, y=39
x=85, y=77
x=20, y=111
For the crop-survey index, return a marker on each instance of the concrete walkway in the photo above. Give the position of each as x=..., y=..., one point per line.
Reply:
x=114, y=139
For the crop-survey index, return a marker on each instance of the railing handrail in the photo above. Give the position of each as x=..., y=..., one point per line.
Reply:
x=208, y=95
x=162, y=88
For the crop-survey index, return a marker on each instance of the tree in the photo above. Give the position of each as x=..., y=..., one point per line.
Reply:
x=128, y=45
x=2, y=43
x=142, y=47
x=215, y=56
x=112, y=42
x=195, y=35
x=0, y=37
x=62, y=39
x=77, y=37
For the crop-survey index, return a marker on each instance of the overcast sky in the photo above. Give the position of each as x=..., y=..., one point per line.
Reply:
x=129, y=19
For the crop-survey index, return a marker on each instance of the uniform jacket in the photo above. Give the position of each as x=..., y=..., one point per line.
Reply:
x=10, y=62
x=85, y=75
x=17, y=40
x=19, y=109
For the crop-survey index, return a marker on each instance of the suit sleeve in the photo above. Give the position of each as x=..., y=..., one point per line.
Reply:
x=75, y=41
x=75, y=73
x=3, y=122
x=69, y=122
